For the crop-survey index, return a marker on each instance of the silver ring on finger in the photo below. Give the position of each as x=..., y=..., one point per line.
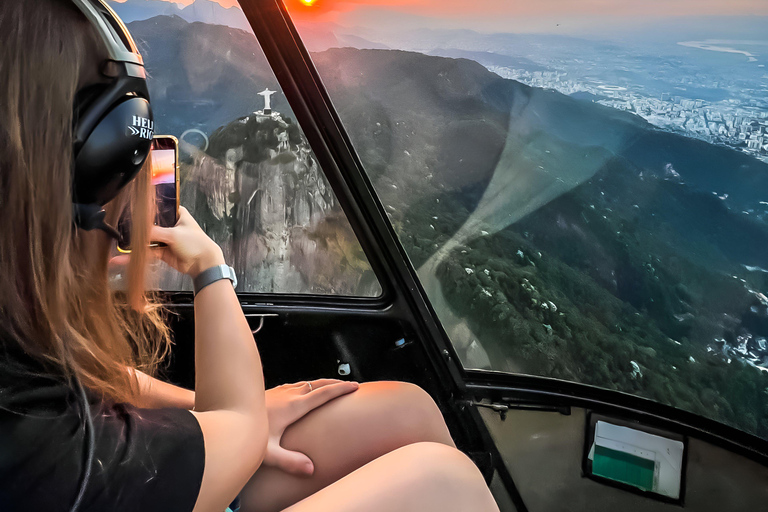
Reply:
x=310, y=386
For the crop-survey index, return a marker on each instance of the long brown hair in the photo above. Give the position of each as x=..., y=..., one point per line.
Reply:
x=56, y=302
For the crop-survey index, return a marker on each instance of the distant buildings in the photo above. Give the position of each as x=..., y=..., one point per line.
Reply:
x=728, y=122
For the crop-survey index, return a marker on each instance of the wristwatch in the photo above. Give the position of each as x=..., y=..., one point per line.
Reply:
x=212, y=275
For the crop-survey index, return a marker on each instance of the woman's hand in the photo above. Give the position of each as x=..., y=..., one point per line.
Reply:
x=188, y=249
x=289, y=403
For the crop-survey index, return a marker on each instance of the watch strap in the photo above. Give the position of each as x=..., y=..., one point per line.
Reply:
x=213, y=274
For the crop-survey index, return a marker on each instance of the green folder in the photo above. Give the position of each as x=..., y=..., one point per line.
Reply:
x=623, y=467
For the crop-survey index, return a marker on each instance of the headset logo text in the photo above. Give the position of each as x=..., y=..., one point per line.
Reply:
x=142, y=127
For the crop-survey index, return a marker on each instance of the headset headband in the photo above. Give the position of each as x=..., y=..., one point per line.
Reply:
x=112, y=31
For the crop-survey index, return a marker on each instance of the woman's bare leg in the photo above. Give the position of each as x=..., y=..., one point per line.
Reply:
x=422, y=477
x=345, y=434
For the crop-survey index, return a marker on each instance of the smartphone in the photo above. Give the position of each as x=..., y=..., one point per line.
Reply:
x=164, y=164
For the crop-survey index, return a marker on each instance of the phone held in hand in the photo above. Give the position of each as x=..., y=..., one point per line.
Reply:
x=164, y=165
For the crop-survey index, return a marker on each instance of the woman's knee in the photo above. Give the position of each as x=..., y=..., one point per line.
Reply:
x=414, y=412
x=445, y=470
x=438, y=460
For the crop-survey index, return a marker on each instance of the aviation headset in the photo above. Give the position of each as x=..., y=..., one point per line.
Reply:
x=112, y=137
x=113, y=122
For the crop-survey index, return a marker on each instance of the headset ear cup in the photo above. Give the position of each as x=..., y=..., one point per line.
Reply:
x=114, y=151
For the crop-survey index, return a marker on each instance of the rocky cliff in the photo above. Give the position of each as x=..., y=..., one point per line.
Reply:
x=260, y=193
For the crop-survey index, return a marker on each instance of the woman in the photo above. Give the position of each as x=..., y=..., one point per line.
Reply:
x=84, y=426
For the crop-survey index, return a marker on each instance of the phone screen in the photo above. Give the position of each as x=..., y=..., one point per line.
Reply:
x=163, y=158
x=164, y=180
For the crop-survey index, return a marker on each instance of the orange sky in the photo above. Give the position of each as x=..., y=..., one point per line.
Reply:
x=163, y=166
x=564, y=16
x=461, y=8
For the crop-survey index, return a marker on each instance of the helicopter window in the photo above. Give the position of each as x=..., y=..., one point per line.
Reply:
x=586, y=200
x=247, y=173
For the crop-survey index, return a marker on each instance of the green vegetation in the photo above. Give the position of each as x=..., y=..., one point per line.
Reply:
x=591, y=337
x=256, y=136
x=627, y=267
x=536, y=312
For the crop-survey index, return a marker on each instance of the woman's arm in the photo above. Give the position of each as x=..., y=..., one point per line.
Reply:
x=229, y=384
x=155, y=394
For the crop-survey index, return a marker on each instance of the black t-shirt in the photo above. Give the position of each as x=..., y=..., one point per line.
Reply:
x=145, y=459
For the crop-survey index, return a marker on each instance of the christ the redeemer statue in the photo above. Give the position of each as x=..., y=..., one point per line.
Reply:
x=267, y=100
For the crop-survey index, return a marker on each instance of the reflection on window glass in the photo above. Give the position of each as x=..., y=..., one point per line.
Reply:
x=247, y=173
x=584, y=200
